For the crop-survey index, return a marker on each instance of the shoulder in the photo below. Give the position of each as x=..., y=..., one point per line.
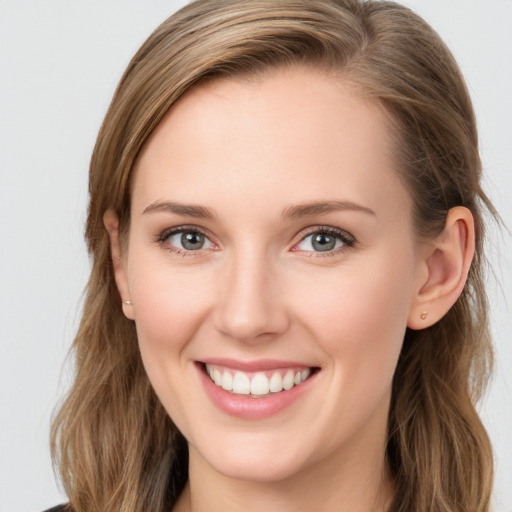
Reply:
x=59, y=508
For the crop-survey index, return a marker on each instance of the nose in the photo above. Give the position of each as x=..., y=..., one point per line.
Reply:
x=250, y=308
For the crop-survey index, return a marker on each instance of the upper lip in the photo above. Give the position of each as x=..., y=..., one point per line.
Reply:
x=255, y=365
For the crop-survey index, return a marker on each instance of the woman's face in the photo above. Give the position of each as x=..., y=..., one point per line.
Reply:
x=271, y=245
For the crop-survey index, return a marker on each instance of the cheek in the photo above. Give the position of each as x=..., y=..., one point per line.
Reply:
x=169, y=307
x=169, y=304
x=359, y=317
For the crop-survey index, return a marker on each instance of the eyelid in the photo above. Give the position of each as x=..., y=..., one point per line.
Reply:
x=166, y=233
x=346, y=238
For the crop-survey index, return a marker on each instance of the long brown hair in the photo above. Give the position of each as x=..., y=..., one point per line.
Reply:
x=115, y=446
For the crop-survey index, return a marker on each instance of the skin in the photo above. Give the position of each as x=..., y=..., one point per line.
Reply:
x=258, y=290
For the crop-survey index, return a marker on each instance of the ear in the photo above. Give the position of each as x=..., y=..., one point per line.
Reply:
x=445, y=265
x=111, y=221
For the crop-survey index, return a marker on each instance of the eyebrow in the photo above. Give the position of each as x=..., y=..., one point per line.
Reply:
x=189, y=210
x=317, y=208
x=290, y=212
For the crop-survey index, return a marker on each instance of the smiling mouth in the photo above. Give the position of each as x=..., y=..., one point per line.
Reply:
x=259, y=384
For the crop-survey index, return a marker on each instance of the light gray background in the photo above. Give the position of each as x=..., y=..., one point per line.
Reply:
x=60, y=61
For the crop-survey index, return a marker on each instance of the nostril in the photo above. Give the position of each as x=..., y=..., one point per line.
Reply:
x=252, y=326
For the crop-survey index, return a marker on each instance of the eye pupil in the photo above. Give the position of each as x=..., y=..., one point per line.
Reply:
x=192, y=240
x=323, y=242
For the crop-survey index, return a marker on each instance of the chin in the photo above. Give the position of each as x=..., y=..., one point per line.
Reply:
x=264, y=470
x=255, y=459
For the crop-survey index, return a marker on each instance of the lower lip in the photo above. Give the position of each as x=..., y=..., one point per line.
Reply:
x=252, y=408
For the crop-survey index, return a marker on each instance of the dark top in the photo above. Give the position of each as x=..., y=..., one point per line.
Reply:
x=58, y=508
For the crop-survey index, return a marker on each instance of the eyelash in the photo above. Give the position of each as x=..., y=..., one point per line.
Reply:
x=346, y=239
x=176, y=231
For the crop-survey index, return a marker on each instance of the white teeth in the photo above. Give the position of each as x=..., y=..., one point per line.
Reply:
x=276, y=383
x=305, y=374
x=288, y=380
x=241, y=384
x=227, y=381
x=259, y=385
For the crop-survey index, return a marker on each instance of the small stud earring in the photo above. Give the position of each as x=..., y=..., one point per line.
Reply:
x=423, y=315
x=128, y=302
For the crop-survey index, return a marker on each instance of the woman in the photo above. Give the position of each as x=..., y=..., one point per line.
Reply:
x=286, y=308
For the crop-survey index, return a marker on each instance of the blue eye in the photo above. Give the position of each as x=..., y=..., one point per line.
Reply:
x=325, y=240
x=183, y=240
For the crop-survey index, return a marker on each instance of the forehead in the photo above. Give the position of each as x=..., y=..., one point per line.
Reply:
x=295, y=129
